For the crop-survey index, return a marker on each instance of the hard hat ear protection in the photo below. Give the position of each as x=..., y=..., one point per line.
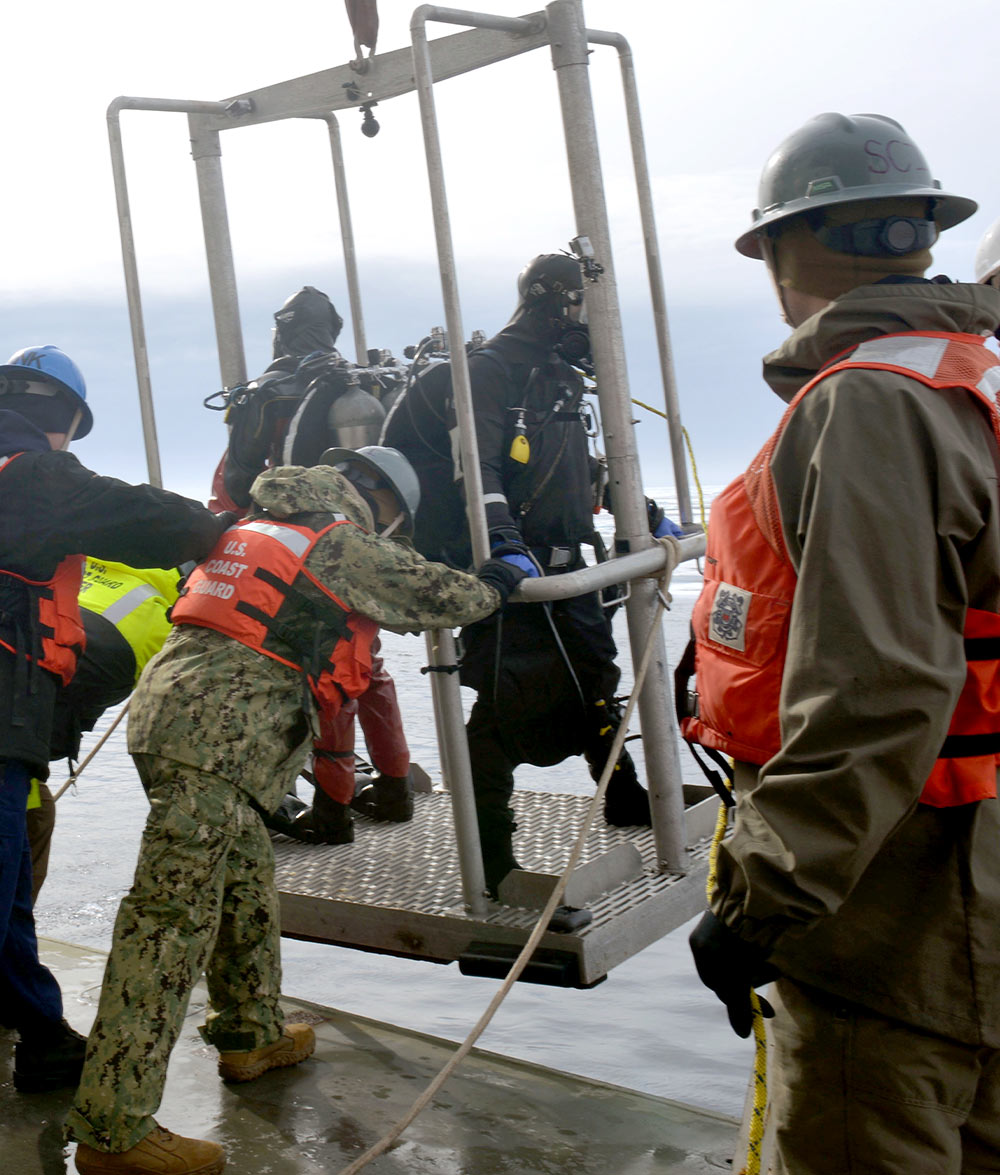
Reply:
x=892, y=237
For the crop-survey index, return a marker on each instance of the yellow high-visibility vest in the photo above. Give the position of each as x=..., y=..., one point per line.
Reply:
x=135, y=601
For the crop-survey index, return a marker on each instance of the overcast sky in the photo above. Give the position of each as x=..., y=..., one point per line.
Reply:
x=721, y=83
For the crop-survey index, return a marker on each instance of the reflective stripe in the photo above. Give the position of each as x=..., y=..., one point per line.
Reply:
x=34, y=795
x=989, y=385
x=128, y=603
x=492, y=499
x=921, y=355
x=297, y=543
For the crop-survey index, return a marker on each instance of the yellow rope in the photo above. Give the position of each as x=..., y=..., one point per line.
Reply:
x=691, y=458
x=758, y=1114
x=755, y=1134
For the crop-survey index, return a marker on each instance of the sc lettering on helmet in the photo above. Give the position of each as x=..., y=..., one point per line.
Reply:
x=893, y=155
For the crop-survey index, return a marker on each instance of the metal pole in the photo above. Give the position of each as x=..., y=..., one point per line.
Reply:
x=653, y=266
x=568, y=38
x=347, y=237
x=460, y=383
x=649, y=562
x=455, y=754
x=132, y=290
x=207, y=154
x=447, y=696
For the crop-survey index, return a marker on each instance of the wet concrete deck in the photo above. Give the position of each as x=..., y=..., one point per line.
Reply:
x=494, y=1117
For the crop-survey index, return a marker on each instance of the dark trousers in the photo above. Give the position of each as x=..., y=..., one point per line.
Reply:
x=30, y=999
x=529, y=708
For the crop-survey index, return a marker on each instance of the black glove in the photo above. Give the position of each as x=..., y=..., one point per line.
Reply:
x=731, y=967
x=503, y=576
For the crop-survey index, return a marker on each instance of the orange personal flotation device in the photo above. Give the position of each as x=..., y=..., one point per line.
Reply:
x=42, y=617
x=255, y=588
x=740, y=620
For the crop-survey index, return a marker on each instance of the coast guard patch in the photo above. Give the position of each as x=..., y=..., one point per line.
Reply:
x=727, y=624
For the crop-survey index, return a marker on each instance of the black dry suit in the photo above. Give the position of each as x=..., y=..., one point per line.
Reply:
x=520, y=387
x=259, y=414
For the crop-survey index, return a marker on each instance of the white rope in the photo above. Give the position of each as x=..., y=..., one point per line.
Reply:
x=672, y=549
x=100, y=743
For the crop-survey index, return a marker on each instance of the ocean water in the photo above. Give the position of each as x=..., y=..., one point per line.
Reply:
x=650, y=1026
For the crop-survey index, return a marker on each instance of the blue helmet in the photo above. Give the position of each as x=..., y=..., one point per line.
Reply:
x=47, y=364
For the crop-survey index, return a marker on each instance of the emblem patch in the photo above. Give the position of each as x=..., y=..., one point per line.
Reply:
x=727, y=624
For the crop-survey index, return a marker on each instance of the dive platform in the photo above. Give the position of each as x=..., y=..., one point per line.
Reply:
x=398, y=889
x=495, y=1115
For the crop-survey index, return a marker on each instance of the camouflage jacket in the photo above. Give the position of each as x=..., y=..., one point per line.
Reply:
x=212, y=703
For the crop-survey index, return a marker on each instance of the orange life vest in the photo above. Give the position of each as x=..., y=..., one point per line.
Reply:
x=45, y=613
x=741, y=618
x=255, y=588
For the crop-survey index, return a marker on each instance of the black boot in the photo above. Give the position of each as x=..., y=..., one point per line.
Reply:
x=498, y=850
x=49, y=1059
x=626, y=802
x=283, y=817
x=385, y=797
x=325, y=823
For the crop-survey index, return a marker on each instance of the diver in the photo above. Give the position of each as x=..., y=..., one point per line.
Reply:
x=545, y=674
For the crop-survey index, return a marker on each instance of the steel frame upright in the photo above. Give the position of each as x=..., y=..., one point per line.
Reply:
x=487, y=39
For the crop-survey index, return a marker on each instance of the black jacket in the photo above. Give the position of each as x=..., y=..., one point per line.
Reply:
x=51, y=506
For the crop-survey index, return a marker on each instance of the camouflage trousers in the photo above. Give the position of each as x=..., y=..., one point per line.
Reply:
x=203, y=899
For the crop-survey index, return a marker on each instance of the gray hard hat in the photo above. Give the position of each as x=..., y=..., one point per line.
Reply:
x=988, y=254
x=387, y=467
x=839, y=158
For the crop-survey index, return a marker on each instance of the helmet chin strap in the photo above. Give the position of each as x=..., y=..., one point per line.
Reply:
x=393, y=526
x=767, y=252
x=74, y=424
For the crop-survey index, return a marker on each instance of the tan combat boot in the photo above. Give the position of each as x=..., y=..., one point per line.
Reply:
x=159, y=1153
x=295, y=1045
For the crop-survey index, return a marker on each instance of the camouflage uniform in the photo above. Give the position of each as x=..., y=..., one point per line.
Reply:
x=219, y=734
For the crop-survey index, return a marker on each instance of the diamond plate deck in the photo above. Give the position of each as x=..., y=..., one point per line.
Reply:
x=397, y=888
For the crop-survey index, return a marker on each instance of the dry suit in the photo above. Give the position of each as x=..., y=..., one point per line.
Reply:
x=545, y=674
x=282, y=419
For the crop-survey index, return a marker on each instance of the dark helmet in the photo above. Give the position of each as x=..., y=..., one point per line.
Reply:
x=836, y=159
x=307, y=322
x=549, y=289
x=552, y=278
